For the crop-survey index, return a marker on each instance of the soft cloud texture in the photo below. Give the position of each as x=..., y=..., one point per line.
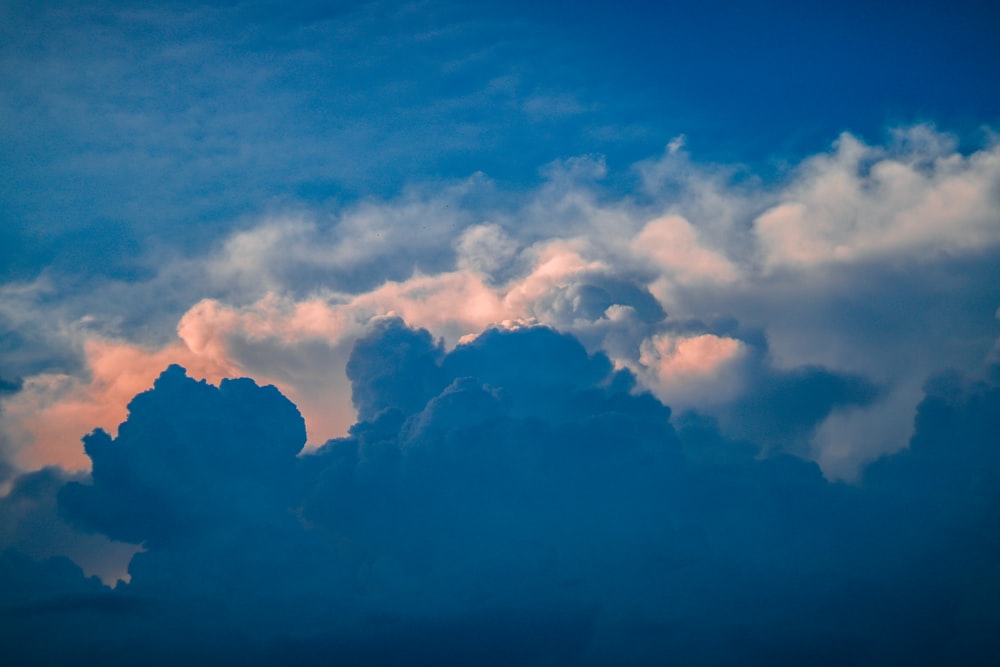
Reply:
x=674, y=249
x=918, y=197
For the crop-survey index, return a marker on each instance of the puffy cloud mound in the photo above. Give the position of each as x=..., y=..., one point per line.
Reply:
x=396, y=368
x=533, y=469
x=190, y=458
x=518, y=501
x=876, y=259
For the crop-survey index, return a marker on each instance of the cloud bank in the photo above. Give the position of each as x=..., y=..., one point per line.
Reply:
x=869, y=261
x=457, y=445
x=515, y=500
x=462, y=368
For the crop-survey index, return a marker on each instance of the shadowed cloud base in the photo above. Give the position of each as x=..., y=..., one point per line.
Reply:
x=514, y=501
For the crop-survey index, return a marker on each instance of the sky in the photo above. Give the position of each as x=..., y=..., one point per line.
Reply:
x=499, y=333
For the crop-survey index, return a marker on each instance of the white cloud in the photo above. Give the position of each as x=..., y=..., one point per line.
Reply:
x=486, y=249
x=671, y=243
x=701, y=371
x=862, y=201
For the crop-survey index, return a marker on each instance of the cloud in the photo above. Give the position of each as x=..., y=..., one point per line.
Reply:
x=53, y=411
x=33, y=583
x=517, y=486
x=919, y=197
x=139, y=489
x=31, y=525
x=404, y=379
x=696, y=370
x=486, y=249
x=782, y=409
x=366, y=244
x=672, y=244
x=344, y=204
x=680, y=257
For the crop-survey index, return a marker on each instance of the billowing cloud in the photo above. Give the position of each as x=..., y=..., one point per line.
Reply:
x=486, y=249
x=498, y=335
x=53, y=411
x=671, y=243
x=143, y=477
x=679, y=284
x=918, y=197
x=365, y=245
x=511, y=500
x=696, y=370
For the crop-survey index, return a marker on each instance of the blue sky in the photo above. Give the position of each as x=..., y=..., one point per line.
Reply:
x=638, y=312
x=125, y=122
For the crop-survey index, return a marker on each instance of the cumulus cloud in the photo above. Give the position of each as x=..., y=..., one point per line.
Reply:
x=701, y=264
x=917, y=197
x=486, y=249
x=54, y=410
x=695, y=370
x=516, y=500
x=672, y=244
x=138, y=490
x=355, y=250
x=605, y=412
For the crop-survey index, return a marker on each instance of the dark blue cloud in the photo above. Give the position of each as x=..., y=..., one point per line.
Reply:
x=949, y=474
x=159, y=481
x=395, y=368
x=7, y=387
x=46, y=602
x=517, y=501
x=10, y=386
x=777, y=409
x=782, y=409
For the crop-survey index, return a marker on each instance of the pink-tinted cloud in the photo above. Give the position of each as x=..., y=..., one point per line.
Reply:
x=672, y=243
x=54, y=411
x=692, y=370
x=302, y=346
x=705, y=254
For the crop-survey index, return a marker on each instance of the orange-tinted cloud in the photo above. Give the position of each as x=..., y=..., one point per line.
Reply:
x=54, y=411
x=691, y=370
